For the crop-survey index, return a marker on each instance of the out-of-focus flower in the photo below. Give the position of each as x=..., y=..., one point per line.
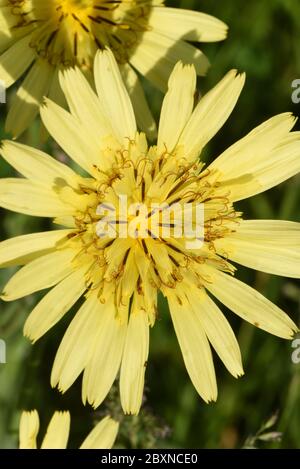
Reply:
x=101, y=437
x=40, y=37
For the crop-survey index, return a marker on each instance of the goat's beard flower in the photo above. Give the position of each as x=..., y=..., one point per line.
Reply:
x=118, y=278
x=101, y=437
x=40, y=37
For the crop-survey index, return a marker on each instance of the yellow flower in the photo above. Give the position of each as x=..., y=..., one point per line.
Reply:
x=40, y=37
x=120, y=277
x=101, y=437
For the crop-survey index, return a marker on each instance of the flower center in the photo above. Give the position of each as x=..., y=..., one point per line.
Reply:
x=119, y=242
x=68, y=32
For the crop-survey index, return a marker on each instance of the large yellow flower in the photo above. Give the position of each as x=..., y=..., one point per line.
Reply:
x=101, y=437
x=121, y=277
x=42, y=36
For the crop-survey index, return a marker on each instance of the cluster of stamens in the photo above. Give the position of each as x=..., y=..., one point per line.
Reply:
x=149, y=179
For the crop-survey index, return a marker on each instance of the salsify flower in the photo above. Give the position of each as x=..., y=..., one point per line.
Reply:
x=40, y=37
x=101, y=437
x=120, y=277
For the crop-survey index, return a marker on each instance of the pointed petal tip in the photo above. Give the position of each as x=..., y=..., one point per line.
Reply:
x=294, y=332
x=104, y=52
x=61, y=388
x=234, y=73
x=211, y=399
x=107, y=50
x=94, y=403
x=239, y=374
x=28, y=334
x=131, y=412
x=54, y=382
x=4, y=297
x=205, y=69
x=226, y=30
x=44, y=104
x=3, y=143
x=89, y=400
x=14, y=135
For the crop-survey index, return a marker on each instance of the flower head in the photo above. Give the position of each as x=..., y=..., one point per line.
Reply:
x=101, y=437
x=56, y=34
x=120, y=276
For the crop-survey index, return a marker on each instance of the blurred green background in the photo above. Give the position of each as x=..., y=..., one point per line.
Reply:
x=264, y=42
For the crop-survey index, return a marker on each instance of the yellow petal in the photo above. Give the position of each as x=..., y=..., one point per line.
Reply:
x=261, y=230
x=36, y=165
x=195, y=349
x=7, y=20
x=283, y=163
x=26, y=102
x=143, y=114
x=57, y=432
x=18, y=250
x=134, y=362
x=104, y=364
x=5, y=38
x=177, y=106
x=44, y=272
x=102, y=436
x=29, y=428
x=129, y=278
x=12, y=69
x=211, y=113
x=266, y=245
x=179, y=23
x=84, y=105
x=23, y=196
x=157, y=54
x=218, y=331
x=55, y=305
x=263, y=159
x=76, y=346
x=250, y=305
x=254, y=147
x=114, y=96
x=67, y=131
x=56, y=94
